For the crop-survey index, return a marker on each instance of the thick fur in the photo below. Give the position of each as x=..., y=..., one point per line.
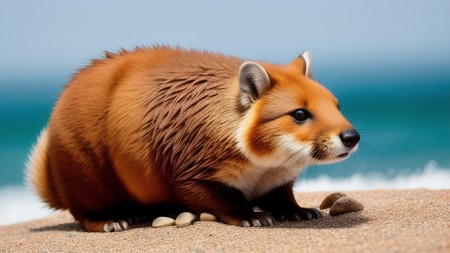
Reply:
x=166, y=127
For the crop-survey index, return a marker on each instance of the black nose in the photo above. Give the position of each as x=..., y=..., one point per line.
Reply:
x=350, y=138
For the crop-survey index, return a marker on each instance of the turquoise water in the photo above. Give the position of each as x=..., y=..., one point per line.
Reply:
x=404, y=120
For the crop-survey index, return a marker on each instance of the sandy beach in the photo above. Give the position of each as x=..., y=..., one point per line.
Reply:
x=393, y=221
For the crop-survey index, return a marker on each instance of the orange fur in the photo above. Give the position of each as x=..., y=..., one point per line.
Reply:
x=141, y=129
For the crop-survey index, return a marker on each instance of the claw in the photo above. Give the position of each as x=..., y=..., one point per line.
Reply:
x=270, y=221
x=246, y=223
x=123, y=224
x=318, y=214
x=116, y=226
x=256, y=223
x=297, y=217
x=108, y=227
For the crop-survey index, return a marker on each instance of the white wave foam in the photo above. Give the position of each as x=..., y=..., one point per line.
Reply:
x=20, y=204
x=431, y=177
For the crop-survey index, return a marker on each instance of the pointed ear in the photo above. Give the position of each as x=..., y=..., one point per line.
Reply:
x=306, y=57
x=254, y=81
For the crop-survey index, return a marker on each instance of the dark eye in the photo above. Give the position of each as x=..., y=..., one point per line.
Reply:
x=300, y=115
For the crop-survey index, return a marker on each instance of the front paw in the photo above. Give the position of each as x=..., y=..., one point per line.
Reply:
x=252, y=219
x=297, y=214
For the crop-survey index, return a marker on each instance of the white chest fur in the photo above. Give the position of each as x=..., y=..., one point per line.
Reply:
x=255, y=180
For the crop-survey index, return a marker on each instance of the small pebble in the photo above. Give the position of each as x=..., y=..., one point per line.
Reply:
x=346, y=205
x=163, y=222
x=323, y=213
x=329, y=201
x=207, y=217
x=185, y=219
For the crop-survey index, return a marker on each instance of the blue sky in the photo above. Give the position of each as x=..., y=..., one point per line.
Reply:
x=54, y=38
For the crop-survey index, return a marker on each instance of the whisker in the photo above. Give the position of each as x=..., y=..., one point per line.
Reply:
x=367, y=147
x=366, y=132
x=308, y=175
x=309, y=178
x=312, y=165
x=295, y=155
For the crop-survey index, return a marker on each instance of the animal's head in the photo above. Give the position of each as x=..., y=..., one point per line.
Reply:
x=290, y=119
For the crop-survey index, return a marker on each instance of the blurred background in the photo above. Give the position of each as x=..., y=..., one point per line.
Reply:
x=388, y=62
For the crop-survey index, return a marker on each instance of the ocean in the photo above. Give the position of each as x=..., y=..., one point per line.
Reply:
x=403, y=117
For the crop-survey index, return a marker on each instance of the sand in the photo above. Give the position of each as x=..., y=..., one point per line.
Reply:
x=393, y=221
